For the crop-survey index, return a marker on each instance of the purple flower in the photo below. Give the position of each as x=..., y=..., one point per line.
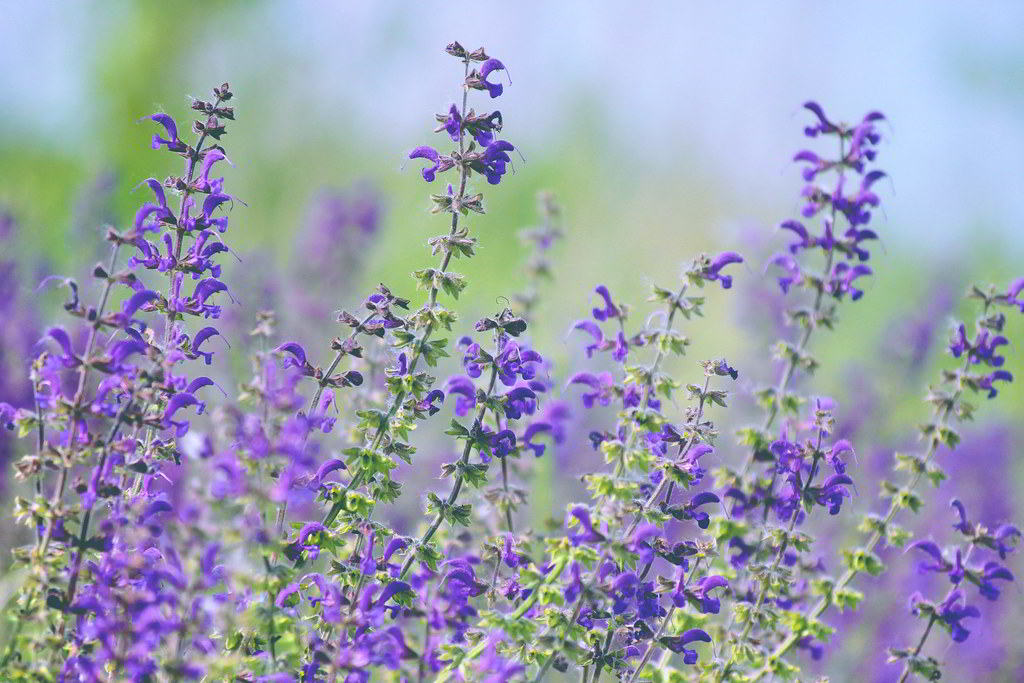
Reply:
x=532, y=430
x=60, y=335
x=832, y=492
x=691, y=510
x=678, y=643
x=491, y=65
x=986, y=381
x=963, y=526
x=453, y=124
x=714, y=270
x=462, y=387
x=791, y=267
x=495, y=159
x=823, y=126
x=177, y=402
x=368, y=566
x=1013, y=294
x=303, y=542
x=1007, y=537
x=932, y=550
x=295, y=357
x=610, y=310
x=432, y=402
x=587, y=534
x=639, y=542
x=709, y=603
x=575, y=587
x=200, y=338
x=509, y=556
x=503, y=443
x=594, y=330
x=953, y=612
x=990, y=572
x=603, y=385
x=430, y=154
x=841, y=280
x=172, y=142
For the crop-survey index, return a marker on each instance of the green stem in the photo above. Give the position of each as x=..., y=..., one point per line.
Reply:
x=457, y=486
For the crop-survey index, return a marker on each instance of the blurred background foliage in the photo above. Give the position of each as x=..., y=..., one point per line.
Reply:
x=664, y=130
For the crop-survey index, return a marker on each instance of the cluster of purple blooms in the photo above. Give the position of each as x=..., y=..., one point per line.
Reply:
x=953, y=609
x=179, y=535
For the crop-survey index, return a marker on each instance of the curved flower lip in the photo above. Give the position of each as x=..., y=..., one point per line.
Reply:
x=703, y=498
x=610, y=310
x=176, y=403
x=589, y=534
x=60, y=335
x=488, y=67
x=329, y=466
x=532, y=430
x=430, y=154
x=172, y=142
x=713, y=271
x=297, y=353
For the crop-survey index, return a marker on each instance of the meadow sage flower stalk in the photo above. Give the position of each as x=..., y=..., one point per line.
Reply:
x=113, y=400
x=802, y=452
x=979, y=369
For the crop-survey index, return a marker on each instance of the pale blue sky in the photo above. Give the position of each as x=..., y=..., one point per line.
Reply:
x=720, y=83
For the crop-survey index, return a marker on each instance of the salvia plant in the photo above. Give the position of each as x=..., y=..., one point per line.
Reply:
x=184, y=529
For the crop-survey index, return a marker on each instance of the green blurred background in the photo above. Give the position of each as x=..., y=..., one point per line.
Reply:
x=664, y=129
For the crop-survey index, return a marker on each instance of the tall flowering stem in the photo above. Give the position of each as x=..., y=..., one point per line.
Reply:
x=978, y=373
x=478, y=150
x=641, y=443
x=125, y=381
x=953, y=609
x=790, y=488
